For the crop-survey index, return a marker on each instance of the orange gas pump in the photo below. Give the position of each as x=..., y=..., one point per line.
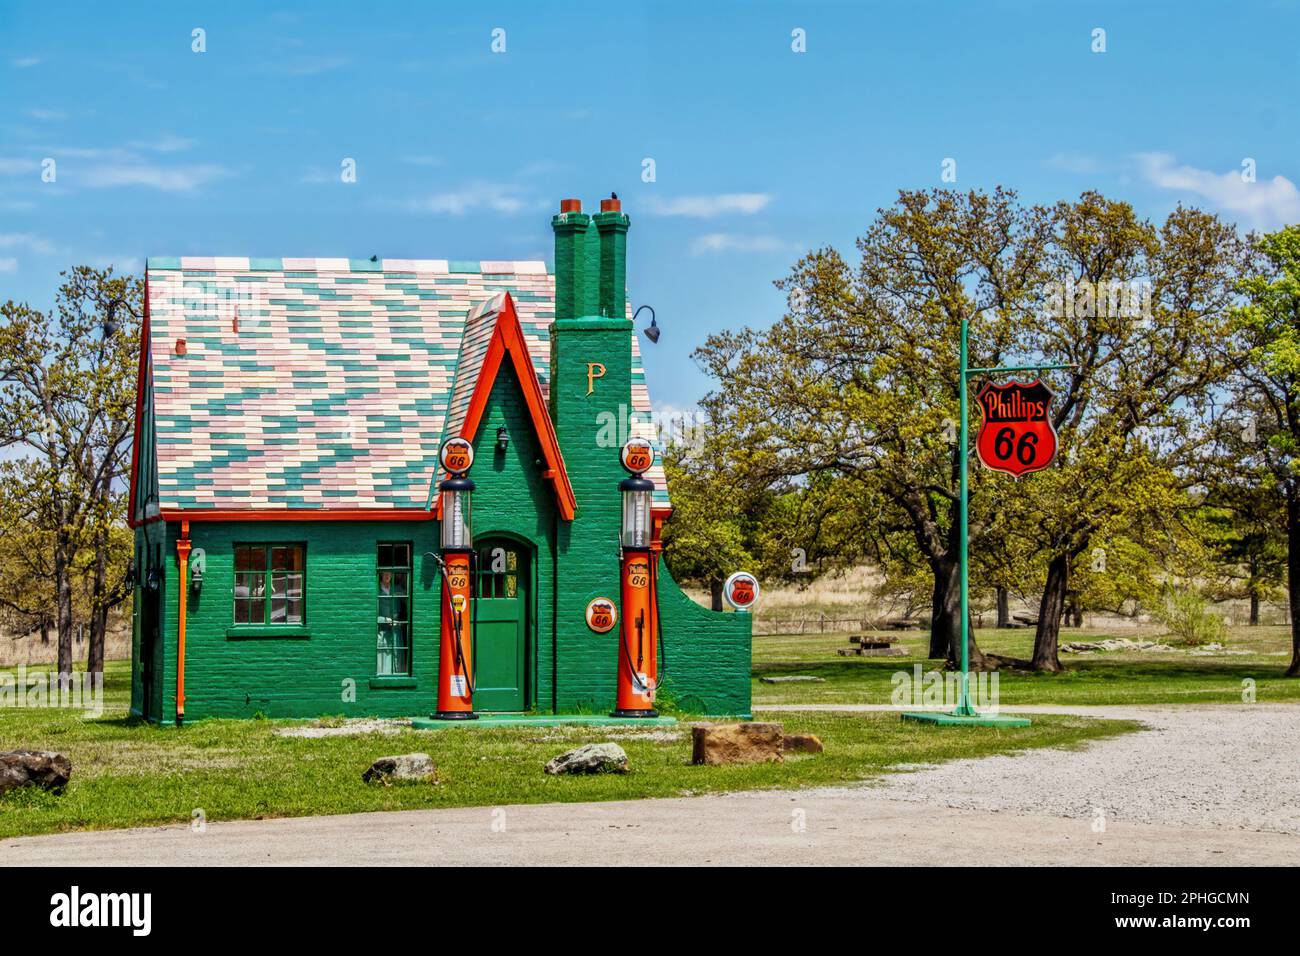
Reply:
x=638, y=668
x=456, y=660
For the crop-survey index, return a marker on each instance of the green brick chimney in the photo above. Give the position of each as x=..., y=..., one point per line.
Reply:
x=591, y=386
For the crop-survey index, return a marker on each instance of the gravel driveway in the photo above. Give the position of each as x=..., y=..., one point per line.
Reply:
x=1206, y=766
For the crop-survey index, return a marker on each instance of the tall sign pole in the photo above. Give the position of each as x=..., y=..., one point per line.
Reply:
x=1020, y=418
x=964, y=708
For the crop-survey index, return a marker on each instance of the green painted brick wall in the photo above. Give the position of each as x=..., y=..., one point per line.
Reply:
x=316, y=670
x=707, y=656
x=587, y=547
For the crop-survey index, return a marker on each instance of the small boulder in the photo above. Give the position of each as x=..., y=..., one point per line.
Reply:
x=590, y=758
x=34, y=768
x=717, y=744
x=802, y=744
x=415, y=766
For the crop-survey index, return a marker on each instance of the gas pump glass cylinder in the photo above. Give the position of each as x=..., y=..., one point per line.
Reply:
x=637, y=495
x=457, y=533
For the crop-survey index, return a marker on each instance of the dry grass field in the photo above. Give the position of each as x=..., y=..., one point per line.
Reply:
x=27, y=649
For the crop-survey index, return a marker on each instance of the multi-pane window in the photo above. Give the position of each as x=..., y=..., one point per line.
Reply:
x=269, y=583
x=393, y=567
x=498, y=575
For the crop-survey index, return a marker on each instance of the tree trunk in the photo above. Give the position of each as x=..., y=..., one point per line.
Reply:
x=1004, y=607
x=945, y=617
x=45, y=630
x=1047, y=637
x=715, y=593
x=1293, y=574
x=99, y=596
x=63, y=605
x=1252, y=568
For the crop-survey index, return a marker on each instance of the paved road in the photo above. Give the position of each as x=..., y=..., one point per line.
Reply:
x=1204, y=785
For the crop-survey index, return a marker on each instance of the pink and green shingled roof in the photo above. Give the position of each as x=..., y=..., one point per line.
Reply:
x=328, y=383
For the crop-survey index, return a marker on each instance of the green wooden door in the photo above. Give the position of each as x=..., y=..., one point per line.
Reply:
x=501, y=639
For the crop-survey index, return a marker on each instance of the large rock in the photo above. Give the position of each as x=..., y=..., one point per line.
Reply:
x=34, y=768
x=402, y=767
x=590, y=758
x=717, y=744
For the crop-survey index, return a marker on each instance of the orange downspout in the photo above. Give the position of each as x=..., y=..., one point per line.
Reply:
x=183, y=557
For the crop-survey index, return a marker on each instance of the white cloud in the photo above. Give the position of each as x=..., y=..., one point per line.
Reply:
x=110, y=166
x=26, y=241
x=167, y=143
x=26, y=62
x=14, y=167
x=714, y=243
x=1263, y=204
x=8, y=264
x=501, y=198
x=315, y=176
x=170, y=179
x=48, y=116
x=709, y=207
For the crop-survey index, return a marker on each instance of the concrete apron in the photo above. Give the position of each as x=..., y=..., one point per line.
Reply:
x=543, y=720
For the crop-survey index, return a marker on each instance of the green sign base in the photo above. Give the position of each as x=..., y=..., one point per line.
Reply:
x=968, y=720
x=542, y=720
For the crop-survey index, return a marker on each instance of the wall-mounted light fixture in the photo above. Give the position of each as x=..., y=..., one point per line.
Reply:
x=652, y=331
x=503, y=439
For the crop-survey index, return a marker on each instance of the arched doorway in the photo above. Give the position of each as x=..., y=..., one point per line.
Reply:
x=504, y=602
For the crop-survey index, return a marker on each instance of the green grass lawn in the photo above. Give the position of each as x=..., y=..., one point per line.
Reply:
x=126, y=773
x=1122, y=677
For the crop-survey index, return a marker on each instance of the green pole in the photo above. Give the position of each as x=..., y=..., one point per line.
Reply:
x=963, y=702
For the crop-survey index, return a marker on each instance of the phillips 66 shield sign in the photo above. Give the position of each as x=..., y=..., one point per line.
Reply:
x=1016, y=435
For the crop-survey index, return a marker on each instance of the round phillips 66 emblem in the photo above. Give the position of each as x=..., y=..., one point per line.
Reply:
x=457, y=455
x=602, y=615
x=637, y=456
x=741, y=590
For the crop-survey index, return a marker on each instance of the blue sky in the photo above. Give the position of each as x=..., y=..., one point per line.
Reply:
x=760, y=152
